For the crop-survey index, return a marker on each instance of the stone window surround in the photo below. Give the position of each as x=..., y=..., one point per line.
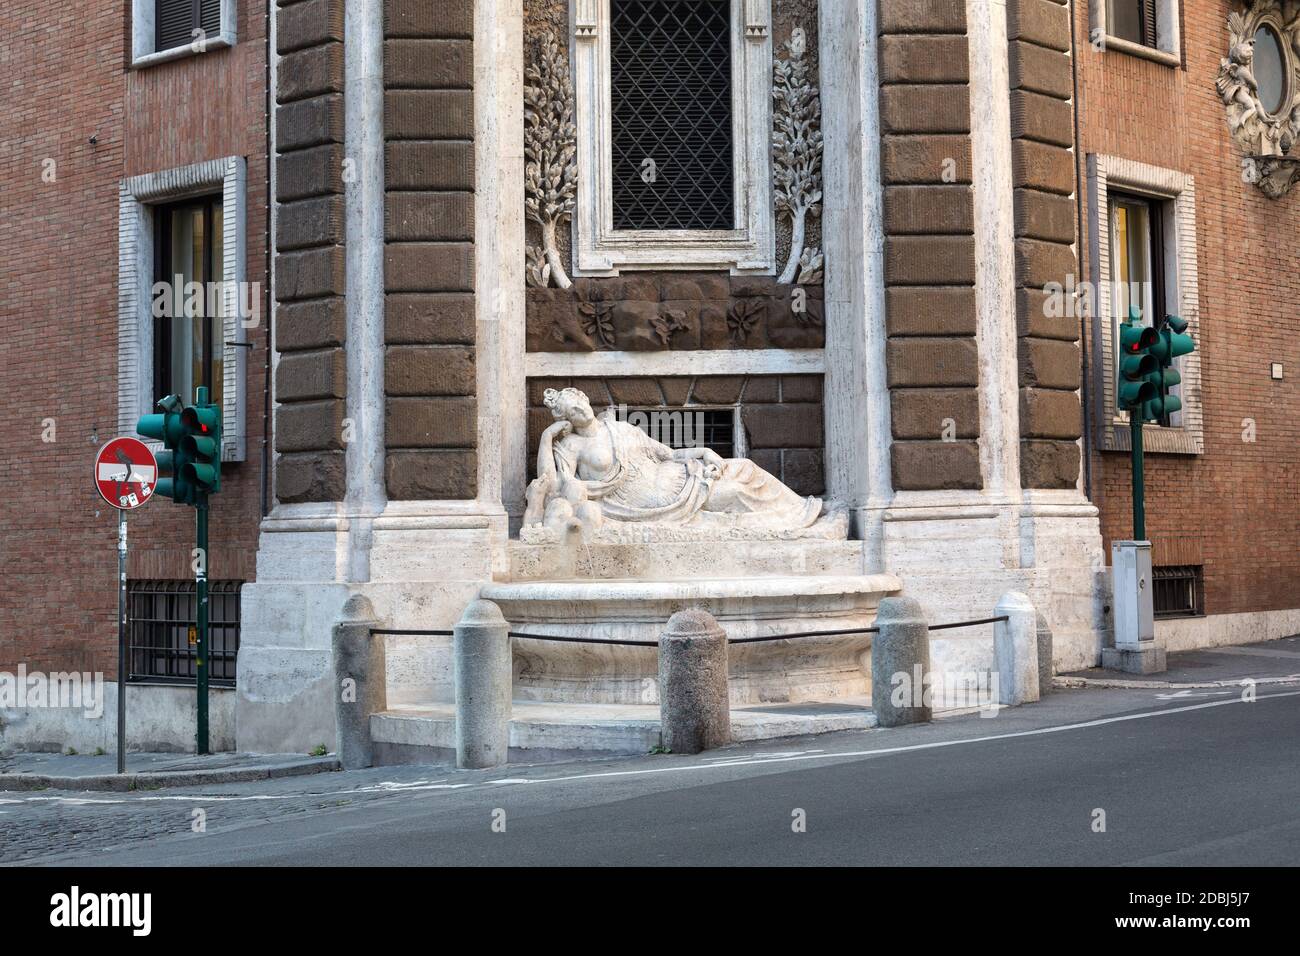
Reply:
x=1182, y=293
x=143, y=53
x=1168, y=48
x=599, y=249
x=136, y=198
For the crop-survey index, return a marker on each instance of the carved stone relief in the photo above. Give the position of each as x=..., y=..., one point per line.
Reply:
x=1264, y=122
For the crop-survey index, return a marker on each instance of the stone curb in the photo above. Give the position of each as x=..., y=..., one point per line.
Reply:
x=158, y=780
x=1167, y=685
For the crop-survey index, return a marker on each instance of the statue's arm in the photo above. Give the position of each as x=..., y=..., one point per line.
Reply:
x=546, y=450
x=708, y=455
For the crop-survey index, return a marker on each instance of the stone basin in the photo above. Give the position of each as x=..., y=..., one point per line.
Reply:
x=797, y=670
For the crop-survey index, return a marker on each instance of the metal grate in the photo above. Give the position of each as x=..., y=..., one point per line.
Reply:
x=670, y=71
x=713, y=428
x=159, y=617
x=1179, y=590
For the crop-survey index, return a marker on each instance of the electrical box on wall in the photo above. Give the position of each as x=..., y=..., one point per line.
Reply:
x=1131, y=587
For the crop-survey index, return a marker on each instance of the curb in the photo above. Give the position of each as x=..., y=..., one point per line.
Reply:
x=1117, y=683
x=157, y=780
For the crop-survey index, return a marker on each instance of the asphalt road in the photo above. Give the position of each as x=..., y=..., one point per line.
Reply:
x=1194, y=779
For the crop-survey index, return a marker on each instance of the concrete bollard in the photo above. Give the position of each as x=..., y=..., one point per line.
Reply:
x=694, y=711
x=900, y=661
x=1015, y=645
x=1045, y=662
x=360, y=682
x=481, y=646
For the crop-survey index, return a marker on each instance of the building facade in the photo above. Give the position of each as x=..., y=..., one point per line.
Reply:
x=133, y=150
x=851, y=243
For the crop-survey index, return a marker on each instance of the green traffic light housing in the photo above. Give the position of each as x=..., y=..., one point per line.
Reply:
x=1136, y=364
x=168, y=428
x=1172, y=342
x=202, y=444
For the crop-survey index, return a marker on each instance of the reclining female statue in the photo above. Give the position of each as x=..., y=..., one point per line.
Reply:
x=593, y=471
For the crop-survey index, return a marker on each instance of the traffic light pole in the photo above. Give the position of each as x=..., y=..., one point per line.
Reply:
x=1139, y=505
x=201, y=586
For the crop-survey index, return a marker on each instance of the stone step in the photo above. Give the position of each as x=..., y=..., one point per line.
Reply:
x=541, y=731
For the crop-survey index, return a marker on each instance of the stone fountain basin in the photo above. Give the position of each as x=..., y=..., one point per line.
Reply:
x=797, y=670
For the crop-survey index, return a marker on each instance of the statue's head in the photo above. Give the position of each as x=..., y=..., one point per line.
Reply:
x=570, y=404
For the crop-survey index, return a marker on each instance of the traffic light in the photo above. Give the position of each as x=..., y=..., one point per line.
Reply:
x=1136, y=364
x=1172, y=341
x=201, y=445
x=168, y=428
x=191, y=437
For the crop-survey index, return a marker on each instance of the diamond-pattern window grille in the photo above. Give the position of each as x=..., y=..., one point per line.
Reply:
x=670, y=72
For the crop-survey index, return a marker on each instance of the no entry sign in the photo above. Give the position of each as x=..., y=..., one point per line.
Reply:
x=126, y=473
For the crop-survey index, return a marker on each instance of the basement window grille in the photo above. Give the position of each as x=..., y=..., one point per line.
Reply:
x=690, y=427
x=160, y=615
x=1179, y=591
x=671, y=105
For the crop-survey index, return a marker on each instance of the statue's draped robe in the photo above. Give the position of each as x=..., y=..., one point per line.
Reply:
x=645, y=486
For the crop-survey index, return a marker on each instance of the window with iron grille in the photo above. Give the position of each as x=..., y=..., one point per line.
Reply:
x=160, y=616
x=671, y=114
x=1179, y=591
x=690, y=427
x=176, y=22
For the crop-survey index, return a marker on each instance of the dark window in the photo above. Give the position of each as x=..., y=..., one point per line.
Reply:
x=176, y=22
x=188, y=330
x=1179, y=591
x=1270, y=69
x=671, y=149
x=713, y=428
x=1133, y=20
x=160, y=615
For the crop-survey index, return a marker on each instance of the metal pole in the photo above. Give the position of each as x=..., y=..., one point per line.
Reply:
x=201, y=582
x=121, y=641
x=1139, y=506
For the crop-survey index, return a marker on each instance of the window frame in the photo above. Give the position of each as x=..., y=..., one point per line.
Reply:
x=137, y=198
x=750, y=248
x=1168, y=46
x=144, y=36
x=1176, y=194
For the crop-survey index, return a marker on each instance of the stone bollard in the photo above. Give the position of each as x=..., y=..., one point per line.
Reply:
x=900, y=660
x=360, y=682
x=481, y=646
x=1015, y=645
x=1045, y=663
x=694, y=711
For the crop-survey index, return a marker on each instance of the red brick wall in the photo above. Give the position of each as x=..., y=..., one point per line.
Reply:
x=66, y=79
x=1235, y=509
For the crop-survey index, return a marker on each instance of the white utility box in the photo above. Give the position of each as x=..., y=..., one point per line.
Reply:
x=1131, y=587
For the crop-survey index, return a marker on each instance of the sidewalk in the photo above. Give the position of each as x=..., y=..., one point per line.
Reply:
x=1268, y=662
x=150, y=771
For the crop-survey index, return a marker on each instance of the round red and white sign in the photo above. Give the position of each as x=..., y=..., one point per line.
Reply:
x=126, y=473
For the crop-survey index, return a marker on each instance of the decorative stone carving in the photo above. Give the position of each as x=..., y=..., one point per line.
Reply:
x=797, y=154
x=550, y=158
x=610, y=482
x=1268, y=138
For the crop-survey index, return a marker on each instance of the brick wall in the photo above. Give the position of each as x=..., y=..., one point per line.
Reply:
x=929, y=244
x=1042, y=133
x=782, y=415
x=1235, y=508
x=66, y=80
x=429, y=370
x=310, y=322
